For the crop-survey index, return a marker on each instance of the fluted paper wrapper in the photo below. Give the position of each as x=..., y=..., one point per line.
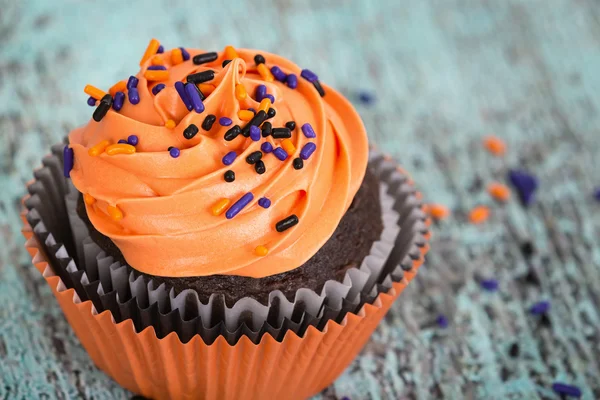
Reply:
x=166, y=346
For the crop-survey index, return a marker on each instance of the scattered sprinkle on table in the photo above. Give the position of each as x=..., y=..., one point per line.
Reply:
x=479, y=214
x=438, y=211
x=540, y=307
x=566, y=390
x=526, y=185
x=491, y=285
x=499, y=191
x=494, y=145
x=366, y=97
x=442, y=321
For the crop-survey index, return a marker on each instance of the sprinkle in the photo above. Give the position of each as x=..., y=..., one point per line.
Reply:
x=121, y=148
x=156, y=75
x=190, y=131
x=309, y=75
x=224, y=121
x=491, y=285
x=286, y=223
x=438, y=211
x=525, y=184
x=160, y=50
x=253, y=157
x=260, y=93
x=219, y=207
x=319, y=88
x=270, y=97
x=291, y=125
x=566, y=390
x=265, y=73
x=287, y=145
x=180, y=87
x=240, y=92
x=156, y=89
x=205, y=58
x=280, y=154
x=259, y=59
x=176, y=56
x=122, y=141
x=157, y=60
x=132, y=140
x=156, y=68
x=298, y=163
x=98, y=148
x=292, y=81
x=185, y=54
x=281, y=133
x=132, y=82
x=258, y=119
x=230, y=53
x=174, y=152
x=499, y=191
x=170, y=124
x=494, y=145
x=193, y=94
x=278, y=73
x=264, y=105
x=208, y=122
x=114, y=213
x=118, y=101
x=271, y=113
x=366, y=98
x=134, y=96
x=267, y=128
x=261, y=251
x=118, y=87
x=264, y=202
x=68, y=161
x=266, y=147
x=239, y=205
x=597, y=194
x=201, y=77
x=539, y=308
x=94, y=92
x=514, y=350
x=254, y=133
x=479, y=214
x=206, y=88
x=232, y=133
x=91, y=101
x=260, y=167
x=245, y=115
x=442, y=321
x=307, y=150
x=88, y=199
x=229, y=158
x=102, y=108
x=224, y=63
x=150, y=51
x=229, y=176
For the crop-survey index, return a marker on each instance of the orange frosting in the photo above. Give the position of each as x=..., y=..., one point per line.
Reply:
x=166, y=214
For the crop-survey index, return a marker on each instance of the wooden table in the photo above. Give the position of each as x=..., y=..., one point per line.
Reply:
x=444, y=73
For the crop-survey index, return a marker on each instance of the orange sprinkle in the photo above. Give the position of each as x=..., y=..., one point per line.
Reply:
x=88, y=199
x=479, y=214
x=157, y=60
x=176, y=56
x=150, y=51
x=288, y=146
x=170, y=124
x=206, y=88
x=265, y=73
x=94, y=92
x=99, y=148
x=219, y=207
x=120, y=86
x=230, y=53
x=264, y=104
x=245, y=115
x=261, y=251
x=120, y=148
x=438, y=211
x=499, y=191
x=114, y=212
x=240, y=92
x=156, y=75
x=494, y=145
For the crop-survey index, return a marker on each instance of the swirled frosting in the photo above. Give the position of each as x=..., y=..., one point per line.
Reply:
x=167, y=227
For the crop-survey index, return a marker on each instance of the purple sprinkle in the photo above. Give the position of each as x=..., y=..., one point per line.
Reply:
x=91, y=101
x=597, y=194
x=489, y=284
x=540, y=307
x=194, y=96
x=134, y=96
x=278, y=73
x=270, y=97
x=238, y=205
x=345, y=398
x=266, y=147
x=526, y=185
x=180, y=87
x=229, y=158
x=184, y=54
x=254, y=133
x=307, y=150
x=68, y=161
x=122, y=141
x=133, y=140
x=156, y=89
x=366, y=98
x=442, y=321
x=118, y=101
x=160, y=50
x=251, y=109
x=567, y=390
x=132, y=82
x=264, y=202
x=292, y=81
x=224, y=121
x=309, y=75
x=157, y=68
x=280, y=154
x=261, y=92
x=174, y=152
x=308, y=131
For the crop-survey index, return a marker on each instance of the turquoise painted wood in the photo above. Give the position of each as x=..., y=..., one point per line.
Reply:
x=445, y=73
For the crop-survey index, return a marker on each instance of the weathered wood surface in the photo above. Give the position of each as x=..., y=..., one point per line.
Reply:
x=445, y=72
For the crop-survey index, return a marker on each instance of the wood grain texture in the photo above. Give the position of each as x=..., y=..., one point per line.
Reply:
x=445, y=73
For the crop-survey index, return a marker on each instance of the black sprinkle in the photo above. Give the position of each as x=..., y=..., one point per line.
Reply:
x=527, y=249
x=266, y=129
x=103, y=107
x=205, y=58
x=532, y=277
x=254, y=157
x=298, y=163
x=201, y=77
x=271, y=113
x=545, y=321
x=257, y=120
x=233, y=133
x=281, y=133
x=259, y=59
x=514, y=350
x=286, y=223
x=190, y=131
x=319, y=88
x=229, y=176
x=291, y=125
x=259, y=167
x=208, y=122
x=225, y=63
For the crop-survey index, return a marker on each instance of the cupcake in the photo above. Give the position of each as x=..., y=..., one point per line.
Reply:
x=225, y=221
